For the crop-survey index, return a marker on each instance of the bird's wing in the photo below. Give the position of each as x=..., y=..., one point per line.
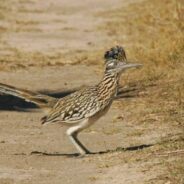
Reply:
x=74, y=108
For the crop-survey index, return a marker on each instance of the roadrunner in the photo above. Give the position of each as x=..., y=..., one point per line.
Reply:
x=82, y=108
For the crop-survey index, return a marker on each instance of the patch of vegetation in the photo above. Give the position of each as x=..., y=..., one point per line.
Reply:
x=153, y=33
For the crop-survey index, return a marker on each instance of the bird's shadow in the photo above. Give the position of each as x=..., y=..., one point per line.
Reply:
x=118, y=149
x=12, y=103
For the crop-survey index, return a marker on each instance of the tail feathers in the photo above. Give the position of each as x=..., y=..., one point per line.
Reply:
x=42, y=101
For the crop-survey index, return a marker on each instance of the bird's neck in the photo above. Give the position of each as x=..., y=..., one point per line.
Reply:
x=109, y=84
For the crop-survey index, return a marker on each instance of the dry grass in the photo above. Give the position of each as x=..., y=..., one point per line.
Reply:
x=16, y=59
x=153, y=33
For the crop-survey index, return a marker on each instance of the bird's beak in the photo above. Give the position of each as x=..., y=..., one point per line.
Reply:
x=123, y=66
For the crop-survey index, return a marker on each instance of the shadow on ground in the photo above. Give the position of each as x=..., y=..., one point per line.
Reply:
x=118, y=149
x=11, y=103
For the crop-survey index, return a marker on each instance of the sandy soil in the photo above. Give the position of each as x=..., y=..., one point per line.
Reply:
x=30, y=153
x=40, y=25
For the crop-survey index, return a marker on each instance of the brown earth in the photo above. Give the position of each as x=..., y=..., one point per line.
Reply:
x=53, y=47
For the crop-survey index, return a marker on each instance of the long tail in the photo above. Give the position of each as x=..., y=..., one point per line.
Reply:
x=42, y=101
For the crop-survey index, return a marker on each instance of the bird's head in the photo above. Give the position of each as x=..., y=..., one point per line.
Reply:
x=116, y=61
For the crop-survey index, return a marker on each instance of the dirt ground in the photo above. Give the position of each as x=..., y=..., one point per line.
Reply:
x=40, y=42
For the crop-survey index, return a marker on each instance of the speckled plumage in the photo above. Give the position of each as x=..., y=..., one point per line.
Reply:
x=84, y=103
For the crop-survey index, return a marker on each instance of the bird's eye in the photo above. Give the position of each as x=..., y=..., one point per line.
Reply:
x=111, y=65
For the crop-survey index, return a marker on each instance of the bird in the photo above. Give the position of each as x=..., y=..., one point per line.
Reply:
x=84, y=107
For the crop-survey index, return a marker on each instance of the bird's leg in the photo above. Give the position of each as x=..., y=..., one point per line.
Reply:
x=72, y=133
x=80, y=147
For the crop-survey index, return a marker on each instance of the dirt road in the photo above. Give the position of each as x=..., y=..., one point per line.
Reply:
x=30, y=153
